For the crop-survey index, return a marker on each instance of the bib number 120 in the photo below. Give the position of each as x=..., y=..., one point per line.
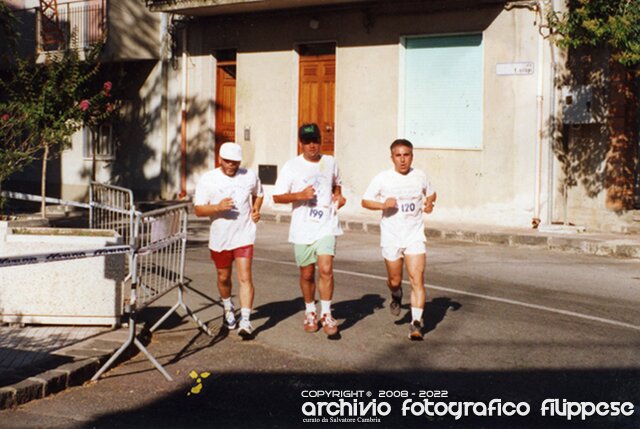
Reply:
x=408, y=207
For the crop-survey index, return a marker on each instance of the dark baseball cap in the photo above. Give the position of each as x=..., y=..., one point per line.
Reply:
x=309, y=133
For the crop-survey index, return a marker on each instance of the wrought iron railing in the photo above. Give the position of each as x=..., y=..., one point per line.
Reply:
x=77, y=25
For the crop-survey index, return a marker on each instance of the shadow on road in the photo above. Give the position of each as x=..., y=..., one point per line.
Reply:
x=434, y=313
x=275, y=312
x=355, y=310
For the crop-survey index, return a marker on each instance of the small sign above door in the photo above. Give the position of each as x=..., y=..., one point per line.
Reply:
x=517, y=69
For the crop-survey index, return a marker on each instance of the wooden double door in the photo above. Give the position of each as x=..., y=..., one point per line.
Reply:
x=317, y=96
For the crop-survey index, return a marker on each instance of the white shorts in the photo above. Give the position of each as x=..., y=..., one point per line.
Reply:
x=391, y=253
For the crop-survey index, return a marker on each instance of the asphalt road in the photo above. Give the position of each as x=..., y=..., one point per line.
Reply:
x=518, y=325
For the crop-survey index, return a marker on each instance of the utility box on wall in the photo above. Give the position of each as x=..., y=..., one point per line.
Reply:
x=578, y=105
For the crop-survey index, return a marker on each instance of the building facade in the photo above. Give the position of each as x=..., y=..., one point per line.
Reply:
x=477, y=86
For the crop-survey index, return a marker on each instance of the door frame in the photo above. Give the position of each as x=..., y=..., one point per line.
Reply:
x=217, y=65
x=298, y=46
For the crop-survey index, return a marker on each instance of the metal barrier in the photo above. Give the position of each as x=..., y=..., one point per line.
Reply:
x=112, y=207
x=157, y=267
x=157, y=249
x=38, y=198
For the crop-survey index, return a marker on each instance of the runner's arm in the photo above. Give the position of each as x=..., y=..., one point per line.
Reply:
x=307, y=193
x=255, y=208
x=429, y=202
x=211, y=209
x=375, y=205
x=337, y=196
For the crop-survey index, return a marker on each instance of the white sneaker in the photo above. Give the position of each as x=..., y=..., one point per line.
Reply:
x=245, y=330
x=230, y=318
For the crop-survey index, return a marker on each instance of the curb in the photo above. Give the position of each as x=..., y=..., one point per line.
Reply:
x=87, y=358
x=619, y=248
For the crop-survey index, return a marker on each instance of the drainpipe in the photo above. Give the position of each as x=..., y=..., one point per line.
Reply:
x=164, y=73
x=552, y=125
x=183, y=119
x=539, y=124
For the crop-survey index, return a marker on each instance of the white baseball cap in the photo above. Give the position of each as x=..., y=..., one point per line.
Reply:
x=231, y=151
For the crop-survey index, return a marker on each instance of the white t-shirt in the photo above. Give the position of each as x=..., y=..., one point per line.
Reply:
x=311, y=220
x=232, y=228
x=404, y=225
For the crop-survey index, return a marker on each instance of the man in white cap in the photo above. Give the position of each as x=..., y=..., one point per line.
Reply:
x=231, y=197
x=403, y=194
x=312, y=184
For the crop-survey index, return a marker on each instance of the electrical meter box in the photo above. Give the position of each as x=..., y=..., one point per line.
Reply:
x=577, y=104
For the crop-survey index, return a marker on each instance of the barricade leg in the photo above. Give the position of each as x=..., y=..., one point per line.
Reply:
x=153, y=360
x=186, y=308
x=116, y=355
x=132, y=339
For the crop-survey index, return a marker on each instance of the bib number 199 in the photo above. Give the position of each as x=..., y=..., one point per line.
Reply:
x=316, y=213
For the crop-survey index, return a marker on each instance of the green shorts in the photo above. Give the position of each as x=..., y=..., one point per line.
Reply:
x=307, y=254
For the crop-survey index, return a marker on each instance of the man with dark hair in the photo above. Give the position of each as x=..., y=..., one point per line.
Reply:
x=312, y=184
x=402, y=194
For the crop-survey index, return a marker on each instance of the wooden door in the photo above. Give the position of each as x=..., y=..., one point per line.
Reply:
x=225, y=104
x=317, y=96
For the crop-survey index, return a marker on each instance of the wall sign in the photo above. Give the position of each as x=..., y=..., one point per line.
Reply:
x=515, y=69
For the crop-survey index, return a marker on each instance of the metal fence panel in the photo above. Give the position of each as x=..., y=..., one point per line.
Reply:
x=112, y=207
x=161, y=243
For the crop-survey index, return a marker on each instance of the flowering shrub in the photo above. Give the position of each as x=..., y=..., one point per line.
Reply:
x=45, y=104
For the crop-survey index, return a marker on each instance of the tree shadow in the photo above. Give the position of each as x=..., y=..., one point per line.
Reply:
x=596, y=139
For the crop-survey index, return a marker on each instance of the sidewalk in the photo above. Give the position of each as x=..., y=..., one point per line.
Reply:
x=553, y=237
x=36, y=361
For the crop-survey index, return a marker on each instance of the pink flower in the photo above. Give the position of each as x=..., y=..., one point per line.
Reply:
x=84, y=105
x=107, y=87
x=5, y=117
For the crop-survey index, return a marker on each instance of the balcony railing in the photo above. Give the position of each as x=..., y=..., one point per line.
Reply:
x=78, y=25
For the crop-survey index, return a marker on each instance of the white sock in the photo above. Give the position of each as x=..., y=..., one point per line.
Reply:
x=416, y=314
x=310, y=307
x=227, y=304
x=326, y=307
x=245, y=313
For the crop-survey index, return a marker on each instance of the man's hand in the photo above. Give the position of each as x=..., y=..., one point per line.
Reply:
x=428, y=205
x=389, y=203
x=255, y=215
x=339, y=199
x=226, y=204
x=307, y=193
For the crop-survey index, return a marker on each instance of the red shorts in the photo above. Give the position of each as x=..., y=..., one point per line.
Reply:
x=224, y=258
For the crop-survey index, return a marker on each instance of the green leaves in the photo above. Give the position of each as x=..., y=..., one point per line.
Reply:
x=42, y=104
x=611, y=23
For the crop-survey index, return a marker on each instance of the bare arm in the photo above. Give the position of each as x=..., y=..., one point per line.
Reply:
x=212, y=209
x=255, y=208
x=389, y=203
x=337, y=196
x=430, y=202
x=306, y=194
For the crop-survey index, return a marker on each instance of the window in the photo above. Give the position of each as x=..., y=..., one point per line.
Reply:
x=100, y=139
x=442, y=91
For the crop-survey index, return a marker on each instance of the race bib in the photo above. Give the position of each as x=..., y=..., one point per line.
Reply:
x=317, y=214
x=409, y=207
